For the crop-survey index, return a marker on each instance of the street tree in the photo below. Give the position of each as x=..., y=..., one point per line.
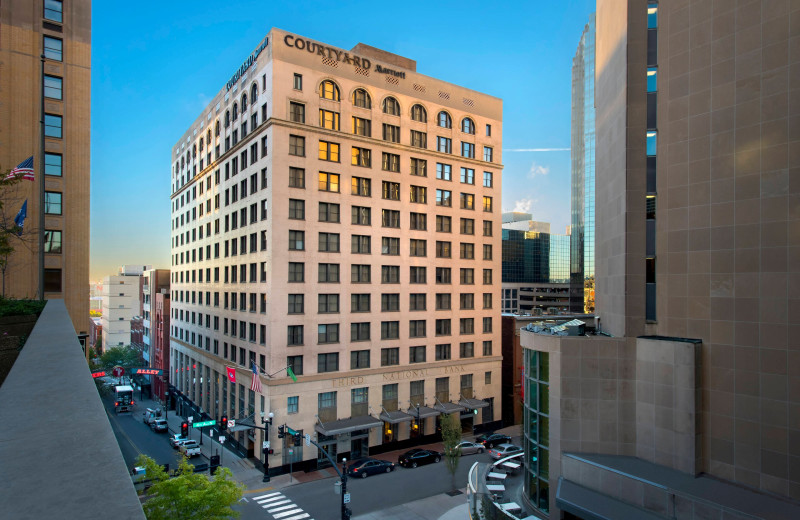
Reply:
x=451, y=437
x=122, y=356
x=189, y=495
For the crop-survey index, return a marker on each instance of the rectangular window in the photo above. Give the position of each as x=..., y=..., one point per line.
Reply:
x=443, y=301
x=297, y=209
x=390, y=274
x=359, y=359
x=418, y=248
x=294, y=335
x=487, y=180
x=467, y=276
x=487, y=324
x=419, y=194
x=361, y=187
x=390, y=218
x=297, y=178
x=328, y=333
x=297, y=84
x=390, y=246
x=443, y=352
x=54, y=10
x=296, y=240
x=52, y=203
x=52, y=241
x=362, y=126
x=444, y=172
x=391, y=162
x=329, y=182
x=467, y=150
x=52, y=280
x=329, y=242
x=488, y=130
x=297, y=112
x=487, y=153
x=328, y=362
x=444, y=198
x=419, y=139
x=361, y=215
x=328, y=212
x=328, y=151
x=467, y=176
x=417, y=274
x=297, y=145
x=359, y=302
x=467, y=226
x=52, y=126
x=390, y=302
x=329, y=273
x=443, y=250
x=487, y=228
x=328, y=119
x=391, y=133
x=487, y=277
x=53, y=164
x=467, y=349
x=362, y=157
x=487, y=300
x=296, y=272
x=467, y=251
x=443, y=327
x=417, y=302
x=360, y=244
x=419, y=167
x=418, y=221
x=296, y=303
x=53, y=48
x=293, y=402
x=416, y=354
x=487, y=204
x=467, y=301
x=390, y=356
x=327, y=303
x=487, y=251
x=391, y=190
x=360, y=273
x=444, y=145
x=443, y=224
x=467, y=201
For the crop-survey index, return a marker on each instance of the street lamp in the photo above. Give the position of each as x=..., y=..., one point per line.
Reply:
x=266, y=423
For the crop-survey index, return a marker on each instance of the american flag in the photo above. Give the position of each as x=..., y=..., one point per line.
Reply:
x=25, y=169
x=256, y=384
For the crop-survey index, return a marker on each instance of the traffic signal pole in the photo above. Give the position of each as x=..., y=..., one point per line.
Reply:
x=346, y=512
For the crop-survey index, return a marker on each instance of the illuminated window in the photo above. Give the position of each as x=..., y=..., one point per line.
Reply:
x=329, y=90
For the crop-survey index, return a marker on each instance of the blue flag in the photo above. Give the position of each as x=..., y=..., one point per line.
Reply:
x=19, y=220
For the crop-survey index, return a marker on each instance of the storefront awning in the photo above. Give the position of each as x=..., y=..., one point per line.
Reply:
x=473, y=404
x=240, y=428
x=448, y=408
x=424, y=412
x=348, y=425
x=395, y=417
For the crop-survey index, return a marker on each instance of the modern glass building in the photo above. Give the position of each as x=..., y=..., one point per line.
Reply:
x=583, y=143
x=533, y=257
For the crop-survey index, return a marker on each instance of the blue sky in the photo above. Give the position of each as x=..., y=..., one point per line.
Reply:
x=156, y=64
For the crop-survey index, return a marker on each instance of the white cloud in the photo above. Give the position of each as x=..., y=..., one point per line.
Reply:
x=537, y=169
x=523, y=205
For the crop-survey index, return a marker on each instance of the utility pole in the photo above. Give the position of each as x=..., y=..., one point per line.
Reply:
x=346, y=511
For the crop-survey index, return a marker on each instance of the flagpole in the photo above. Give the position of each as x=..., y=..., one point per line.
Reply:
x=41, y=194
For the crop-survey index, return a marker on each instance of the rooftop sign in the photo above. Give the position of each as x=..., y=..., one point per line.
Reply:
x=246, y=65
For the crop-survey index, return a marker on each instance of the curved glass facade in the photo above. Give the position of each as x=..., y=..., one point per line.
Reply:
x=537, y=428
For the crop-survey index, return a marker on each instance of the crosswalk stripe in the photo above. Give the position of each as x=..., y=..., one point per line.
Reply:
x=270, y=499
x=273, y=504
x=287, y=513
x=298, y=517
x=282, y=508
x=265, y=496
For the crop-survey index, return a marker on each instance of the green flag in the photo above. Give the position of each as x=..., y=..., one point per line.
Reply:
x=291, y=374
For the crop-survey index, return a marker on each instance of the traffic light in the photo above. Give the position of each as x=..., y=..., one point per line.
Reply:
x=185, y=429
x=281, y=433
x=298, y=439
x=223, y=423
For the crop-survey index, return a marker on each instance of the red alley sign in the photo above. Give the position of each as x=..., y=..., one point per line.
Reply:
x=101, y=373
x=147, y=371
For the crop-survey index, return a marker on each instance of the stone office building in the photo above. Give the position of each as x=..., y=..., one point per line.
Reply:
x=337, y=213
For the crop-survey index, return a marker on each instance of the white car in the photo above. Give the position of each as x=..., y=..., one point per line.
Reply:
x=176, y=440
x=190, y=448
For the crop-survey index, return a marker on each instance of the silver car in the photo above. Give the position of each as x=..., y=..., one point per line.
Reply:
x=504, y=450
x=470, y=448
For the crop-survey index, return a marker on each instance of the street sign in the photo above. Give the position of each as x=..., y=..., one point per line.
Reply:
x=147, y=371
x=291, y=431
x=221, y=439
x=118, y=372
x=212, y=422
x=190, y=419
x=308, y=439
x=265, y=445
x=346, y=498
x=231, y=423
x=101, y=373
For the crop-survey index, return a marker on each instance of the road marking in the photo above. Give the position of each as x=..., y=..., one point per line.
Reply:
x=282, y=508
x=298, y=517
x=265, y=496
x=287, y=513
x=270, y=499
x=276, y=503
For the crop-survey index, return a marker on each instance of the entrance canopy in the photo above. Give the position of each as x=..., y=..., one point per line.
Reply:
x=396, y=417
x=448, y=408
x=348, y=425
x=473, y=404
x=424, y=412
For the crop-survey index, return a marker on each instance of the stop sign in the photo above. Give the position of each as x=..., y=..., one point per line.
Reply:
x=118, y=372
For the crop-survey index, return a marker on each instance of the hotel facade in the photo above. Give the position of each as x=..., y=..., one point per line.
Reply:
x=338, y=213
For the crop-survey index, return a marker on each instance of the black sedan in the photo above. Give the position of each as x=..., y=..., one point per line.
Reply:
x=366, y=467
x=490, y=440
x=418, y=457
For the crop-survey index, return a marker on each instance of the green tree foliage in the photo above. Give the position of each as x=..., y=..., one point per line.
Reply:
x=189, y=495
x=9, y=231
x=123, y=356
x=451, y=436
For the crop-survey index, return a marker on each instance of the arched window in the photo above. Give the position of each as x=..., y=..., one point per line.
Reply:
x=183, y=163
x=208, y=135
x=361, y=98
x=235, y=111
x=188, y=157
x=216, y=129
x=202, y=144
x=467, y=126
x=253, y=93
x=444, y=120
x=418, y=113
x=391, y=106
x=227, y=119
x=244, y=102
x=329, y=90
x=194, y=150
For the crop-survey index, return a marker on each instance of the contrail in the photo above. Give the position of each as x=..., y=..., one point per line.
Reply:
x=536, y=149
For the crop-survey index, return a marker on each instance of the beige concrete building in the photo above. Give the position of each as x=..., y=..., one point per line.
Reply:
x=61, y=33
x=690, y=409
x=121, y=303
x=336, y=212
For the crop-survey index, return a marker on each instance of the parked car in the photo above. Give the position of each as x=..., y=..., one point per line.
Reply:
x=190, y=448
x=490, y=440
x=159, y=425
x=418, y=457
x=469, y=448
x=504, y=450
x=366, y=467
x=176, y=440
